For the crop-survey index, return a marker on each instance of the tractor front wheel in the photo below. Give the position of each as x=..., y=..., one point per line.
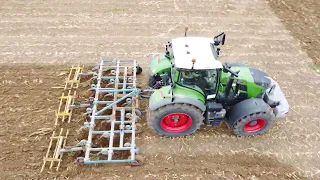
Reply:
x=254, y=124
x=175, y=120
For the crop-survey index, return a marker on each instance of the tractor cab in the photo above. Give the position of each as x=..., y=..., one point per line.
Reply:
x=195, y=59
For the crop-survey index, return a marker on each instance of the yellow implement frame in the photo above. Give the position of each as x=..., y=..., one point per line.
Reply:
x=63, y=115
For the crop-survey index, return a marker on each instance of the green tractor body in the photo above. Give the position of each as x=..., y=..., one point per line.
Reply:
x=194, y=88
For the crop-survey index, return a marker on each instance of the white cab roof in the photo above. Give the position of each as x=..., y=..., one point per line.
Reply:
x=199, y=48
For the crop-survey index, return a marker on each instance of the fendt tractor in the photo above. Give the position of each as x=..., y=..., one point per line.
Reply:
x=193, y=88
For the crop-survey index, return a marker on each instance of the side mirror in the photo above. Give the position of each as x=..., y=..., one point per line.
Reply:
x=223, y=39
x=216, y=42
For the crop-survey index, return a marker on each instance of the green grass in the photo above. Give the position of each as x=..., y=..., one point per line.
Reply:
x=117, y=9
x=71, y=154
x=315, y=67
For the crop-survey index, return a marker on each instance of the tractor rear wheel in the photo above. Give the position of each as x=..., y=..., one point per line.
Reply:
x=254, y=124
x=175, y=120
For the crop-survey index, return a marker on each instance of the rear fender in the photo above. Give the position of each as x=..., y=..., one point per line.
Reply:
x=153, y=105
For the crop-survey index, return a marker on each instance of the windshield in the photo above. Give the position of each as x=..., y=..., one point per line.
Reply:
x=213, y=49
x=206, y=80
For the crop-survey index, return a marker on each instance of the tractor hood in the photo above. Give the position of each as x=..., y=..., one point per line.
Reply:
x=253, y=81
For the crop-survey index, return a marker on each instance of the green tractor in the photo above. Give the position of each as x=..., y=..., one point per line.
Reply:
x=192, y=88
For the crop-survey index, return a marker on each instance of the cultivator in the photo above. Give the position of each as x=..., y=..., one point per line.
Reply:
x=110, y=116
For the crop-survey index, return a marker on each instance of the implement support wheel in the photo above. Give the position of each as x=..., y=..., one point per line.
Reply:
x=139, y=70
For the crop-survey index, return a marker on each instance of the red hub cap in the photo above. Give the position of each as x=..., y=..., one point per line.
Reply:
x=176, y=122
x=255, y=125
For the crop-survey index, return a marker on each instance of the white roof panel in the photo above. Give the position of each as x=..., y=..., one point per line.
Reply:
x=200, y=48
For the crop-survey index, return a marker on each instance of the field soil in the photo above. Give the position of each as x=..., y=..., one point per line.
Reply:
x=40, y=41
x=302, y=18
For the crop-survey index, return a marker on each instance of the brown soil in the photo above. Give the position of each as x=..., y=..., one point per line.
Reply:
x=29, y=104
x=302, y=18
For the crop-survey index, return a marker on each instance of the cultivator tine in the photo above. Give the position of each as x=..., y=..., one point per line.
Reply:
x=94, y=77
x=86, y=104
x=82, y=143
x=89, y=73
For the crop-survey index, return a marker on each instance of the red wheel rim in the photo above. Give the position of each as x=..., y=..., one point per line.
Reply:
x=255, y=125
x=176, y=122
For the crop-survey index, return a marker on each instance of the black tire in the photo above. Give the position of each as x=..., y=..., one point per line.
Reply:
x=240, y=127
x=155, y=118
x=139, y=70
x=151, y=81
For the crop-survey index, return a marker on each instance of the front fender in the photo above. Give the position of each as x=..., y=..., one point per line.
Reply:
x=246, y=107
